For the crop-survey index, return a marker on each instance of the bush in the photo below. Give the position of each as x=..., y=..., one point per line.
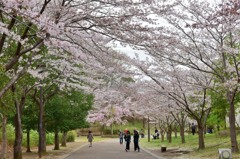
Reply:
x=224, y=133
x=71, y=135
x=33, y=138
x=108, y=132
x=10, y=134
x=50, y=139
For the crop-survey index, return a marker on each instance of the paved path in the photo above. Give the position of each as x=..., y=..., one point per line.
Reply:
x=110, y=149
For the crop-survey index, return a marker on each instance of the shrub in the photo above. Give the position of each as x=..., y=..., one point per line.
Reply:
x=108, y=132
x=33, y=138
x=71, y=135
x=224, y=133
x=10, y=134
x=50, y=139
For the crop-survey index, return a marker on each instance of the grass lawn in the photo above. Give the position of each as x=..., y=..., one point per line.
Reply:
x=212, y=144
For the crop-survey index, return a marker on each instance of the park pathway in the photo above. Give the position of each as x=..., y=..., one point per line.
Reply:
x=110, y=149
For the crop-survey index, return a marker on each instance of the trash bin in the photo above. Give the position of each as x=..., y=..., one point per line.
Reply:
x=163, y=148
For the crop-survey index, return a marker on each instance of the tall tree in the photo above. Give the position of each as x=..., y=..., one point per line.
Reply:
x=61, y=107
x=203, y=36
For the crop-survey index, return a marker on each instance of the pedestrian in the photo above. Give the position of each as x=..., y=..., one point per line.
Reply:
x=136, y=140
x=128, y=140
x=193, y=128
x=121, y=136
x=90, y=138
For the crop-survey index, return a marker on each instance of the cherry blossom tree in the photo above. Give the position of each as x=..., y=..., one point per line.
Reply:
x=202, y=36
x=164, y=110
x=61, y=27
x=73, y=31
x=112, y=103
x=182, y=87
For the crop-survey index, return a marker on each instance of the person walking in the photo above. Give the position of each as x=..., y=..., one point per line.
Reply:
x=128, y=140
x=193, y=128
x=121, y=137
x=136, y=140
x=90, y=138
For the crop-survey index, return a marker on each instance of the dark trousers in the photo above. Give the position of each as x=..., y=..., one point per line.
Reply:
x=136, y=146
x=121, y=140
x=193, y=131
x=127, y=145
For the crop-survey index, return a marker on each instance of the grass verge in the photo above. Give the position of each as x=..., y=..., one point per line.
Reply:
x=212, y=143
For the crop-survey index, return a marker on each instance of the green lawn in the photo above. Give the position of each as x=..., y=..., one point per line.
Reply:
x=212, y=144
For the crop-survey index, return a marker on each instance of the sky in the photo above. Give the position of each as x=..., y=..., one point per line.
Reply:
x=130, y=51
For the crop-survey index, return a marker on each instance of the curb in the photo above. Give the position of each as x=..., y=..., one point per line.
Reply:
x=76, y=149
x=158, y=157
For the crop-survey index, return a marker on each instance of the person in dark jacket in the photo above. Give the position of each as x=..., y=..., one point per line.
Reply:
x=136, y=141
x=128, y=140
x=193, y=128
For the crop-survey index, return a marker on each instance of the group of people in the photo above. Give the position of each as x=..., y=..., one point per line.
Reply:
x=127, y=137
x=122, y=135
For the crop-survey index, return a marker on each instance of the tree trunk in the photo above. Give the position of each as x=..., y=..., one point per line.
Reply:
x=162, y=130
x=143, y=122
x=64, y=139
x=28, y=141
x=102, y=130
x=162, y=136
x=169, y=134
x=182, y=134
x=201, y=144
x=148, y=129
x=4, y=137
x=40, y=125
x=112, y=129
x=18, y=134
x=232, y=121
x=133, y=121
x=44, y=150
x=175, y=131
x=56, y=141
